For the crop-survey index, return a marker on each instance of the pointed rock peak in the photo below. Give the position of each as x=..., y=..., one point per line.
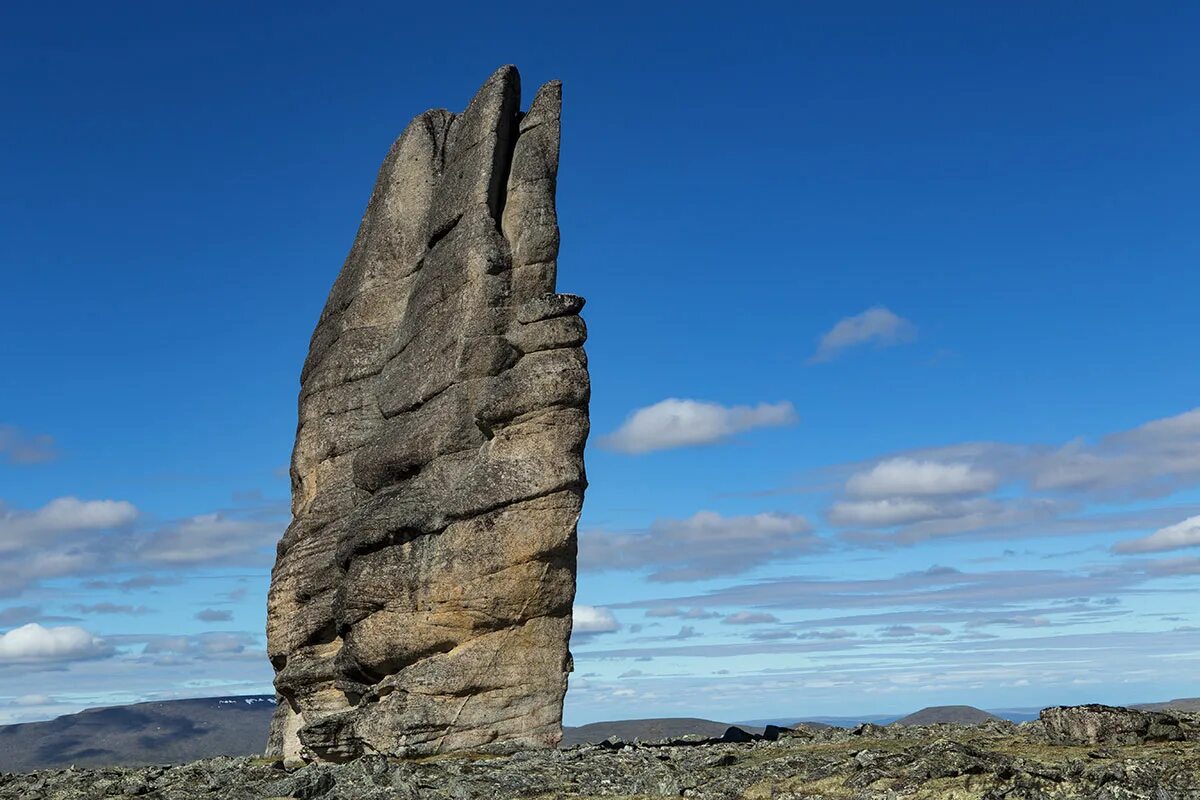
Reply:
x=500, y=91
x=546, y=105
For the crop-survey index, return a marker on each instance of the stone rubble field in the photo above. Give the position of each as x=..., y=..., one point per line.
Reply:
x=1093, y=752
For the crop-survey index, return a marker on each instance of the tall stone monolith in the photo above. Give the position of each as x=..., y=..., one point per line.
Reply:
x=421, y=597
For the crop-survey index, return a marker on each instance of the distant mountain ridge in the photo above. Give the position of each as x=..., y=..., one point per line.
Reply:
x=168, y=731
x=953, y=715
x=647, y=729
x=178, y=731
x=1189, y=704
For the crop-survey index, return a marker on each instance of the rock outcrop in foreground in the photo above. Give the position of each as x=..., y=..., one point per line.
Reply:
x=421, y=598
x=989, y=762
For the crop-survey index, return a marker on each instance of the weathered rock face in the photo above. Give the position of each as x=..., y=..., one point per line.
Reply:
x=1100, y=724
x=421, y=598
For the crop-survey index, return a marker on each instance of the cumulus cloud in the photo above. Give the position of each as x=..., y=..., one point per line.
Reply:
x=749, y=618
x=591, y=621
x=33, y=644
x=877, y=326
x=19, y=447
x=1173, y=537
x=214, y=615
x=910, y=477
x=676, y=423
x=705, y=545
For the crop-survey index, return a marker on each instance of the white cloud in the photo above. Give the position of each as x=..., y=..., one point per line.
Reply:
x=705, y=545
x=949, y=491
x=1151, y=460
x=907, y=476
x=675, y=423
x=70, y=537
x=1172, y=537
x=886, y=512
x=34, y=644
x=209, y=539
x=588, y=621
x=60, y=517
x=876, y=325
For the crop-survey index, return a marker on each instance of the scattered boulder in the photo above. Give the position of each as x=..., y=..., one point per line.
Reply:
x=910, y=763
x=772, y=733
x=1100, y=724
x=736, y=734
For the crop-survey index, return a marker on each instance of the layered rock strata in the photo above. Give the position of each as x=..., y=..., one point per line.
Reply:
x=421, y=598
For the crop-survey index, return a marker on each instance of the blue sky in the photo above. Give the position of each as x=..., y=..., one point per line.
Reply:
x=892, y=313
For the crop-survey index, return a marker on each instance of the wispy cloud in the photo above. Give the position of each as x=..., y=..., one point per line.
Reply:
x=998, y=489
x=209, y=539
x=910, y=477
x=682, y=613
x=1173, y=537
x=110, y=608
x=877, y=325
x=171, y=650
x=705, y=545
x=938, y=591
x=674, y=423
x=20, y=447
x=749, y=618
x=70, y=537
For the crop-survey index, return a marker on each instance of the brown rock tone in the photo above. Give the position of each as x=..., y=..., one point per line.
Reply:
x=421, y=598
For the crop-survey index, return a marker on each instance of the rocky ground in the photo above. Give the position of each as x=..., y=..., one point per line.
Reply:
x=1085, y=752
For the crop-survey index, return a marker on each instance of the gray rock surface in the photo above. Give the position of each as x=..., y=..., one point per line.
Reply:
x=1100, y=724
x=993, y=761
x=421, y=598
